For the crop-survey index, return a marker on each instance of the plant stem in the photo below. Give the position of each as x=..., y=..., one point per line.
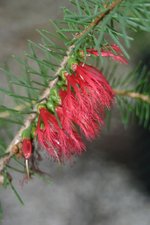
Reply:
x=135, y=95
x=98, y=19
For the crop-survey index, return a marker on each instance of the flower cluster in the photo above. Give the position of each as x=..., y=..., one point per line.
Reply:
x=77, y=108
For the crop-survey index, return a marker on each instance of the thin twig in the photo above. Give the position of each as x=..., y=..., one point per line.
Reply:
x=135, y=95
x=46, y=93
x=98, y=19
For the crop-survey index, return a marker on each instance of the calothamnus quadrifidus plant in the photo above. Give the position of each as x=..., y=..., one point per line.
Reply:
x=69, y=90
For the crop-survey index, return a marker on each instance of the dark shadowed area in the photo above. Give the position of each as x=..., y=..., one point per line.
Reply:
x=109, y=184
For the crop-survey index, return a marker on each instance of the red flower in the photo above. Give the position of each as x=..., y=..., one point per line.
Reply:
x=110, y=53
x=82, y=106
x=58, y=141
x=86, y=97
x=26, y=148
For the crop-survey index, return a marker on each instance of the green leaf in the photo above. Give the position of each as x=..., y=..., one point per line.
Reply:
x=16, y=193
x=4, y=121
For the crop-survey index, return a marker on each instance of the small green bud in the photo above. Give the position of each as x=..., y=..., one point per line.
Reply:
x=53, y=91
x=50, y=106
x=72, y=61
x=54, y=96
x=27, y=133
x=60, y=83
x=62, y=74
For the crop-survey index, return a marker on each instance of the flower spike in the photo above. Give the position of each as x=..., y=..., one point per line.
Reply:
x=87, y=95
x=76, y=106
x=58, y=141
x=113, y=51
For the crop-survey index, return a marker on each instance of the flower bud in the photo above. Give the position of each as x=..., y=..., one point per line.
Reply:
x=26, y=148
